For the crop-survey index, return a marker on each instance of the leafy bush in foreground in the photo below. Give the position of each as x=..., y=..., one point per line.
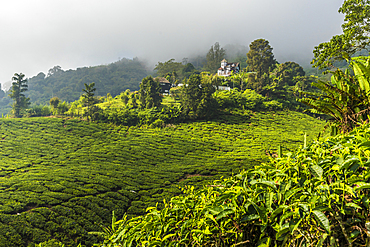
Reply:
x=318, y=196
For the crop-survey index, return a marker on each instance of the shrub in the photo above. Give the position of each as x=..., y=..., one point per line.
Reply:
x=248, y=100
x=38, y=111
x=158, y=123
x=273, y=105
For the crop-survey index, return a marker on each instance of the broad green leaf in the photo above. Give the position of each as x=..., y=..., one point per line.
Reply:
x=269, y=198
x=342, y=186
x=353, y=205
x=339, y=161
x=348, y=162
x=285, y=216
x=304, y=207
x=168, y=236
x=317, y=171
x=266, y=183
x=250, y=217
x=322, y=219
x=361, y=72
x=361, y=186
x=215, y=210
x=224, y=213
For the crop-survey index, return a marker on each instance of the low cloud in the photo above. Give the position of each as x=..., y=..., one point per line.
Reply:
x=37, y=35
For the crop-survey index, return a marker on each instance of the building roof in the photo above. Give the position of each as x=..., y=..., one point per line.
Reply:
x=162, y=80
x=224, y=60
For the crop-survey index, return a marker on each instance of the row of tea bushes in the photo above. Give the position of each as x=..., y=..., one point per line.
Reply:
x=61, y=178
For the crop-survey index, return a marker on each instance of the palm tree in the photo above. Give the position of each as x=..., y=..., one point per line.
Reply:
x=346, y=98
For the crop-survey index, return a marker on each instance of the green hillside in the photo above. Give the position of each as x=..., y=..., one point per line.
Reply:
x=67, y=85
x=63, y=178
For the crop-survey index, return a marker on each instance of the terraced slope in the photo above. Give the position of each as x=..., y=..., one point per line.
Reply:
x=63, y=178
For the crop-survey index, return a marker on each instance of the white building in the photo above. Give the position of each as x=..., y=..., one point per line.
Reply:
x=226, y=68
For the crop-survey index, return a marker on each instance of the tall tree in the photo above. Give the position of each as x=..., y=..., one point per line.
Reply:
x=168, y=67
x=56, y=70
x=285, y=81
x=19, y=86
x=196, y=96
x=261, y=61
x=355, y=37
x=133, y=100
x=89, y=97
x=286, y=72
x=188, y=70
x=191, y=94
x=260, y=57
x=54, y=103
x=214, y=57
x=150, y=93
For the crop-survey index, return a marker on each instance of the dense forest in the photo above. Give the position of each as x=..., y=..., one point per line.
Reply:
x=67, y=85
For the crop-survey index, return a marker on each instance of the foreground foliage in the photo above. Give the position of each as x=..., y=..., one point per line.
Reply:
x=318, y=196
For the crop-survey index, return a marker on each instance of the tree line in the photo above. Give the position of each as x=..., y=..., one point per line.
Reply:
x=263, y=75
x=283, y=83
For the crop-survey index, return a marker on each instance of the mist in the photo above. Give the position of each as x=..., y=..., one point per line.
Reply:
x=37, y=35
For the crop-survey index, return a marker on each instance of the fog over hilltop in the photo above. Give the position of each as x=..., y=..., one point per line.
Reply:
x=37, y=35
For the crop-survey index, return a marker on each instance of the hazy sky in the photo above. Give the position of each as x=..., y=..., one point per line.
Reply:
x=36, y=35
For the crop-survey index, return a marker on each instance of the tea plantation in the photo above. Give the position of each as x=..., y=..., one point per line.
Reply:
x=61, y=178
